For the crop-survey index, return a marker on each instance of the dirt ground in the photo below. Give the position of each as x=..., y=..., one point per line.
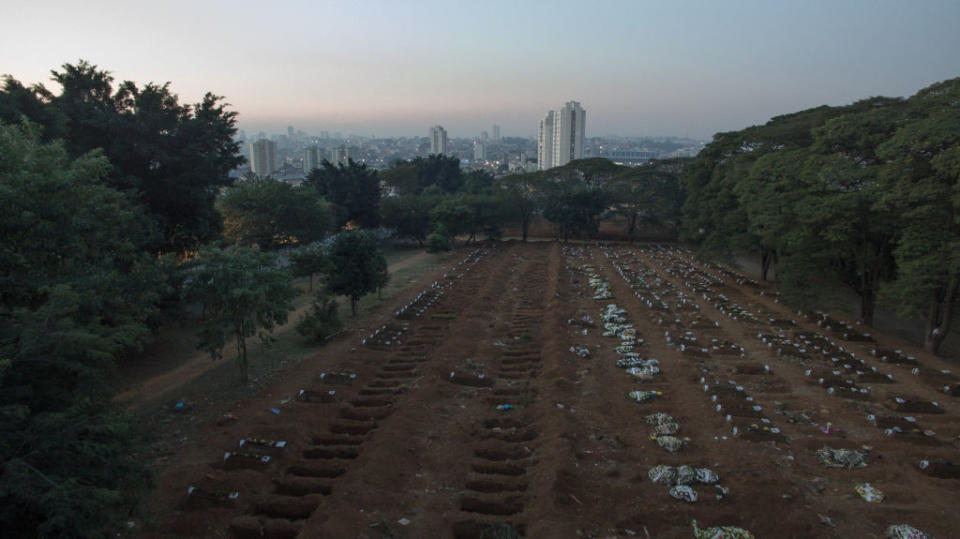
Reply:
x=462, y=410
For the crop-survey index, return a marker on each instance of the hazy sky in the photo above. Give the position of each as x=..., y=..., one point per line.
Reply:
x=396, y=67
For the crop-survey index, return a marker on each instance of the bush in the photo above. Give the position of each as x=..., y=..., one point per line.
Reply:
x=438, y=241
x=321, y=322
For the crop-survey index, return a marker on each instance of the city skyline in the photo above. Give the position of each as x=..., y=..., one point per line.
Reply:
x=690, y=68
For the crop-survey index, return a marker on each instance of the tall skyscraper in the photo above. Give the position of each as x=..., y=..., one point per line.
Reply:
x=438, y=140
x=496, y=131
x=479, y=150
x=545, y=142
x=560, y=137
x=312, y=157
x=568, y=130
x=263, y=157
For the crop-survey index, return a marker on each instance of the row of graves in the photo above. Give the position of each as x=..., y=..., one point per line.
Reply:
x=828, y=359
x=302, y=473
x=494, y=497
x=696, y=337
x=681, y=480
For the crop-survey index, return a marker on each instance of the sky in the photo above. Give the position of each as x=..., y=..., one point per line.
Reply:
x=396, y=67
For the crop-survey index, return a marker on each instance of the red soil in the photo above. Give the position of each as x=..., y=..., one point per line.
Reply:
x=404, y=449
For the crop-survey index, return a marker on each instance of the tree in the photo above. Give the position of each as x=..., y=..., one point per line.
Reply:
x=76, y=291
x=18, y=101
x=650, y=192
x=440, y=170
x=922, y=181
x=243, y=293
x=412, y=177
x=521, y=198
x=770, y=195
x=356, y=266
x=409, y=215
x=270, y=213
x=439, y=240
x=454, y=214
x=573, y=200
x=855, y=235
x=180, y=161
x=402, y=178
x=308, y=261
x=486, y=214
x=175, y=158
x=478, y=182
x=352, y=188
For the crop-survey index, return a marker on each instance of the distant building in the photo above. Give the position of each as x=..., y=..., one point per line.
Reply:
x=629, y=156
x=290, y=174
x=545, y=142
x=496, y=131
x=560, y=136
x=263, y=157
x=568, y=130
x=479, y=150
x=312, y=157
x=340, y=154
x=438, y=140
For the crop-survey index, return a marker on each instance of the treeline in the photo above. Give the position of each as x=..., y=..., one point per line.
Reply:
x=432, y=201
x=574, y=198
x=864, y=196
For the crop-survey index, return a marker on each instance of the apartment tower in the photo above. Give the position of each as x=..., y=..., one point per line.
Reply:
x=438, y=140
x=560, y=137
x=263, y=157
x=545, y=142
x=311, y=159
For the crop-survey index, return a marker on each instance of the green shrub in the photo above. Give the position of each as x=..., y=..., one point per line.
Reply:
x=439, y=241
x=321, y=323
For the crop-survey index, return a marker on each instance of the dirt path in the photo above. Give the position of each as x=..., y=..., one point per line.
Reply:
x=148, y=388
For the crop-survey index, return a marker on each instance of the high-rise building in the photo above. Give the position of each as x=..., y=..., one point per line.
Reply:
x=263, y=157
x=312, y=157
x=340, y=155
x=496, y=131
x=560, y=137
x=545, y=142
x=479, y=150
x=438, y=140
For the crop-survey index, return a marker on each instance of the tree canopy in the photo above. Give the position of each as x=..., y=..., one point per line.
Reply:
x=863, y=195
x=352, y=188
x=173, y=158
x=75, y=291
x=243, y=294
x=357, y=266
x=270, y=213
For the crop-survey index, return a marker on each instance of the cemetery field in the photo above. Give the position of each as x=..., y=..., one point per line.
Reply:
x=544, y=390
